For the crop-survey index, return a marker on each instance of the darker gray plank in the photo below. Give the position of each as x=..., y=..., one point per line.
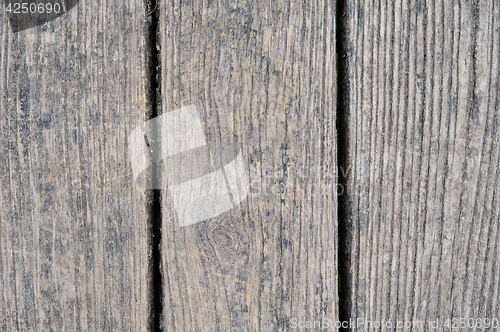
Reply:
x=423, y=168
x=73, y=226
x=261, y=75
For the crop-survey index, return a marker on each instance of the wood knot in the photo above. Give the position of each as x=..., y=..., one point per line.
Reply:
x=226, y=239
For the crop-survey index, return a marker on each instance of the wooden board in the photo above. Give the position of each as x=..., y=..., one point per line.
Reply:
x=423, y=168
x=263, y=71
x=73, y=226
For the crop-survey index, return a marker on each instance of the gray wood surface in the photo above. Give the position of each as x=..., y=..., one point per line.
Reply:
x=265, y=72
x=73, y=227
x=423, y=175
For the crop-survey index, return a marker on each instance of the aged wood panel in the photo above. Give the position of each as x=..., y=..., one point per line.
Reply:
x=73, y=226
x=423, y=168
x=261, y=75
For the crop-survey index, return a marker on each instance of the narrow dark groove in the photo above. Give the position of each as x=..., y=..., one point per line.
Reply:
x=155, y=194
x=344, y=263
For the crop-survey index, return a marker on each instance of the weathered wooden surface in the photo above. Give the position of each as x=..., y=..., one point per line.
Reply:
x=423, y=169
x=73, y=227
x=265, y=72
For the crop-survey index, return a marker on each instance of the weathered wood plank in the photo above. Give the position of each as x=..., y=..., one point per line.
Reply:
x=423, y=177
x=73, y=227
x=265, y=72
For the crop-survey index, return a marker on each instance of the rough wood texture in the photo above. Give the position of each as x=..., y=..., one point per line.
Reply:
x=73, y=227
x=424, y=120
x=264, y=71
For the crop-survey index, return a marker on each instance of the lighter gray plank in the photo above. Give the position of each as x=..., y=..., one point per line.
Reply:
x=73, y=226
x=423, y=177
x=265, y=72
